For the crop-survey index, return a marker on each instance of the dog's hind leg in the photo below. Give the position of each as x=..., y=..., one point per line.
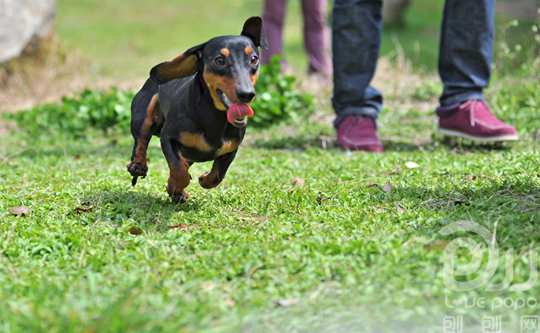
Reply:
x=146, y=120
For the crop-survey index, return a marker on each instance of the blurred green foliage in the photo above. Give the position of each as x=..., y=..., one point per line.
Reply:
x=75, y=116
x=278, y=100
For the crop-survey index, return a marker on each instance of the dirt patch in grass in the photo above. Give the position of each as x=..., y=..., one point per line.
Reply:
x=47, y=75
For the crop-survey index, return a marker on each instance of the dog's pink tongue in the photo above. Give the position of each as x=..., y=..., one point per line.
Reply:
x=239, y=111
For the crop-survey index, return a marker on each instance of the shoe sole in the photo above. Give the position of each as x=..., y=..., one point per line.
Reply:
x=507, y=137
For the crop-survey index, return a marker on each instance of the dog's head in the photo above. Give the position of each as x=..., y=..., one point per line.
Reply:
x=229, y=65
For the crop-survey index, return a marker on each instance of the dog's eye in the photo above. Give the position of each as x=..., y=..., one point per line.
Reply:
x=220, y=61
x=254, y=59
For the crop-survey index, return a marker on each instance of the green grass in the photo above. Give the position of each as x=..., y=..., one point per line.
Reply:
x=95, y=254
x=261, y=253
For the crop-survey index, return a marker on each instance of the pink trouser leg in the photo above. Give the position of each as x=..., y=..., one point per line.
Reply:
x=317, y=35
x=273, y=17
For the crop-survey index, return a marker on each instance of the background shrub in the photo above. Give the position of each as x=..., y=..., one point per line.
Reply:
x=277, y=100
x=89, y=109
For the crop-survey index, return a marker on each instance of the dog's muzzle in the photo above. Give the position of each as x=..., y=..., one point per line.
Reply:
x=237, y=113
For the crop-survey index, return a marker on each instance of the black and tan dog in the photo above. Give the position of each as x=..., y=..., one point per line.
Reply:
x=198, y=105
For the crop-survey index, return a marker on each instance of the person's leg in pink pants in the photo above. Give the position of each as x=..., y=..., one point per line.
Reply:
x=316, y=33
x=273, y=17
x=317, y=36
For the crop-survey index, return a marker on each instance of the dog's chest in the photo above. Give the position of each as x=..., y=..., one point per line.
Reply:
x=197, y=142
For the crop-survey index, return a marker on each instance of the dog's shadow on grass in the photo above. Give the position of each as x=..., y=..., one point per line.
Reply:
x=140, y=208
x=77, y=151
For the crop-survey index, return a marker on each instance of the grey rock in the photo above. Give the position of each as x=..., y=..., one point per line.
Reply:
x=23, y=22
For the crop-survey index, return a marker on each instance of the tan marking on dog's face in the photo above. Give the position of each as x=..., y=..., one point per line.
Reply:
x=248, y=50
x=225, y=84
x=254, y=78
x=227, y=147
x=193, y=140
x=225, y=52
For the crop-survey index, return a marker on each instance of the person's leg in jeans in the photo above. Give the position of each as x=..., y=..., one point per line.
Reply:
x=465, y=54
x=317, y=36
x=466, y=48
x=356, y=31
x=273, y=18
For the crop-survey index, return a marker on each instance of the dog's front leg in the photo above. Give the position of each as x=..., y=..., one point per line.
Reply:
x=221, y=164
x=144, y=123
x=179, y=176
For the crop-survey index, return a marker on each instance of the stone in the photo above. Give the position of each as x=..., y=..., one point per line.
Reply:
x=23, y=23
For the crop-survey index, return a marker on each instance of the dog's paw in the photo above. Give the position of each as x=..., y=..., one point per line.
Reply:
x=137, y=169
x=207, y=181
x=203, y=176
x=179, y=198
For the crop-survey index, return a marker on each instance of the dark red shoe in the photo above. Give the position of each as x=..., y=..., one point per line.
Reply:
x=356, y=132
x=473, y=120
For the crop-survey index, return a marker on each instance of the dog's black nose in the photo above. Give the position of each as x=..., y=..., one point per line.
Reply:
x=245, y=96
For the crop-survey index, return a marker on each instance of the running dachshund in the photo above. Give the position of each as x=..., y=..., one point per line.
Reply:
x=198, y=105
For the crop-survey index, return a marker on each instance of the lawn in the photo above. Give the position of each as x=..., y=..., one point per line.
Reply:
x=300, y=236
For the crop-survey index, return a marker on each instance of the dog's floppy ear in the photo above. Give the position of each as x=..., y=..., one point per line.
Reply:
x=253, y=28
x=182, y=66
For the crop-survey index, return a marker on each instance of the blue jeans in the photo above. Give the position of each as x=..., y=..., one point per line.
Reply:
x=465, y=53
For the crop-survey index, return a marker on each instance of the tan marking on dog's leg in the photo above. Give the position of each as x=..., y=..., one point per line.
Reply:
x=227, y=147
x=207, y=180
x=139, y=163
x=179, y=177
x=140, y=152
x=149, y=115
